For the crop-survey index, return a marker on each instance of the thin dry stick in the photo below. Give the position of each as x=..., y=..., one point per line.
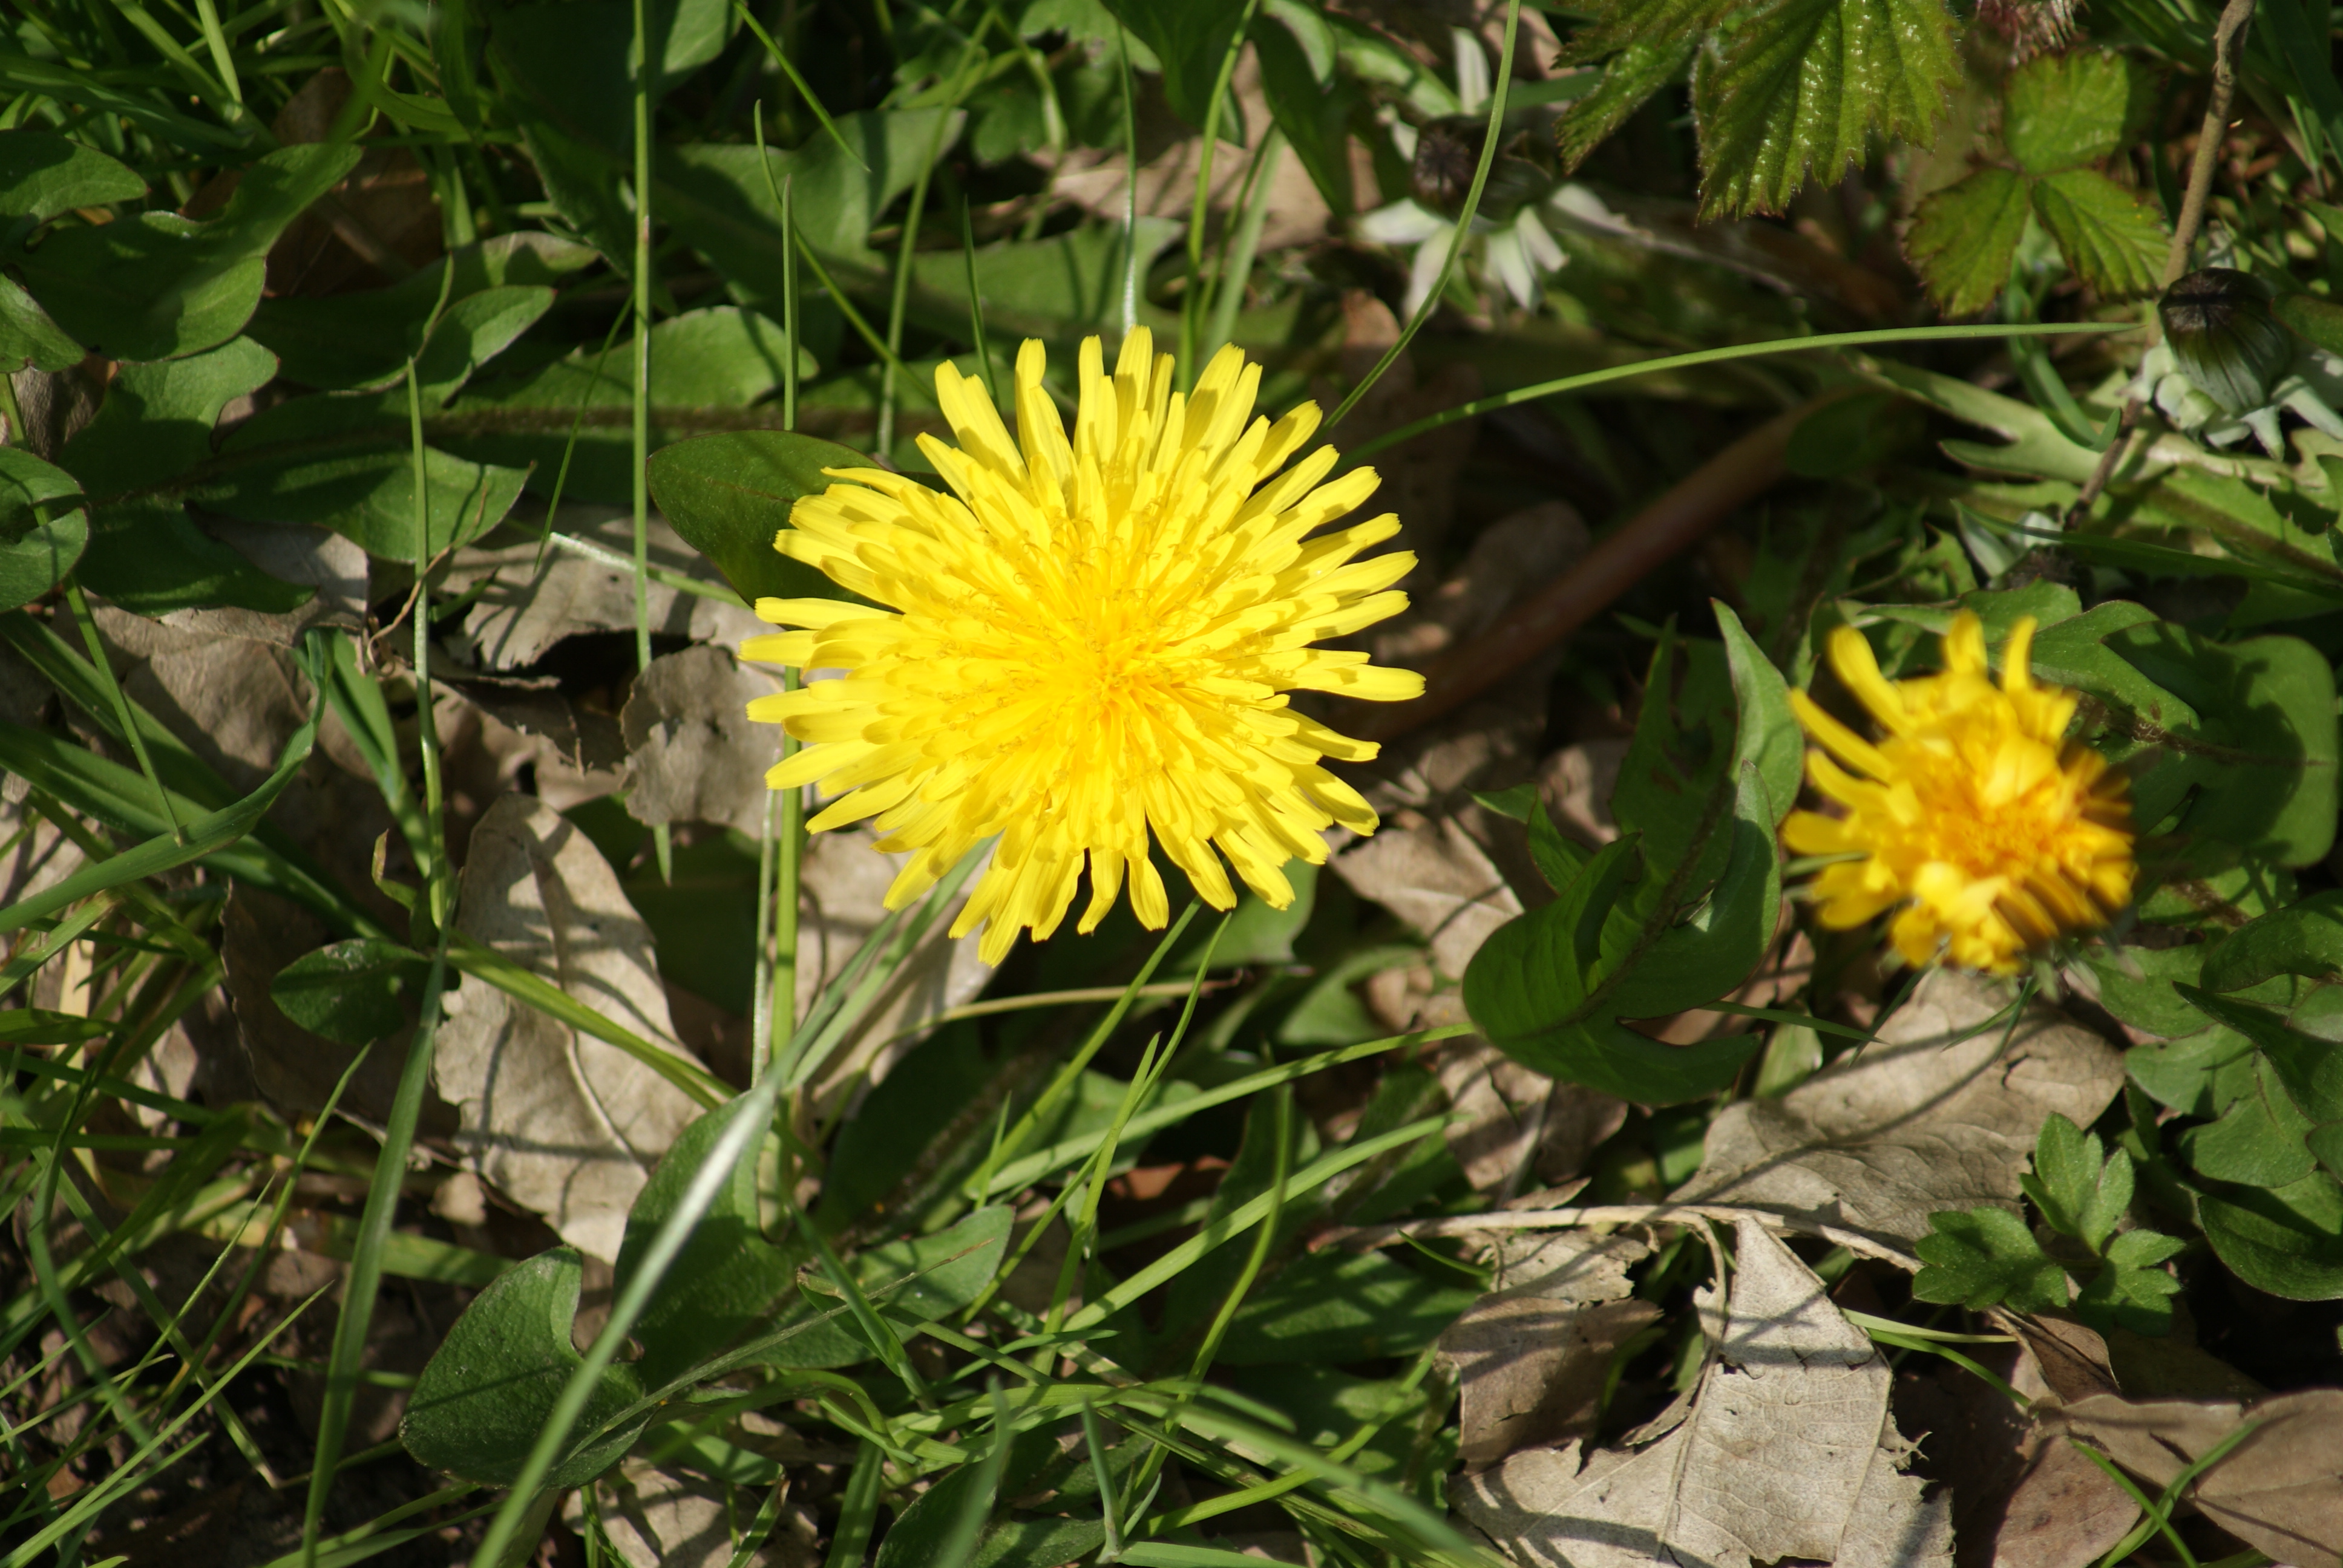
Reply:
x=2210, y=137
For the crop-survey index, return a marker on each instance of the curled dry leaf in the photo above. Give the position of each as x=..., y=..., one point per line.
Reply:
x=1936, y=1113
x=2280, y=1490
x=565, y=1124
x=1787, y=1453
x=1531, y=1358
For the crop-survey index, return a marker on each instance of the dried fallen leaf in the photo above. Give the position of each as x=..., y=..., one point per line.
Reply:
x=2064, y=1512
x=335, y=567
x=293, y=1069
x=1531, y=1358
x=1787, y=1453
x=564, y=1124
x=525, y=605
x=1936, y=1113
x=693, y=754
x=1437, y=879
x=1517, y=1121
x=654, y=1517
x=2280, y=1490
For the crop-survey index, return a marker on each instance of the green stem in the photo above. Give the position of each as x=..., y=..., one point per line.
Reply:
x=1463, y=220
x=900, y=300
x=1236, y=261
x=79, y=602
x=1192, y=302
x=1580, y=383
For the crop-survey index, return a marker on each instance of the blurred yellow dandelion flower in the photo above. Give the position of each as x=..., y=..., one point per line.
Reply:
x=1996, y=834
x=1086, y=641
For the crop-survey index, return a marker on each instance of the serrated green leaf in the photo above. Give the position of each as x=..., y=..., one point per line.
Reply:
x=2067, y=1162
x=2113, y=238
x=2066, y=111
x=1640, y=69
x=1963, y=237
x=1978, y=1257
x=1796, y=88
x=2138, y=1299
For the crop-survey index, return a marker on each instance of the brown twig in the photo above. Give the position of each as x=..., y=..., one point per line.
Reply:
x=2209, y=139
x=1625, y=557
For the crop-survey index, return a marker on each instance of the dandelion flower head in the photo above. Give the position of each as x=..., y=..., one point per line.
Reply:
x=1996, y=834
x=1086, y=642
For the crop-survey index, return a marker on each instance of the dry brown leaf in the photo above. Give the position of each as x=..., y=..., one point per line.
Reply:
x=1936, y=1113
x=335, y=567
x=294, y=1069
x=658, y=1518
x=525, y=605
x=1418, y=474
x=2280, y=1490
x=1787, y=1453
x=694, y=756
x=1517, y=1121
x=1531, y=1358
x=1509, y=558
x=2064, y=1513
x=565, y=1124
x=1437, y=879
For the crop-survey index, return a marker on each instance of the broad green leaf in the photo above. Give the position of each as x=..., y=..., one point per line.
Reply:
x=154, y=425
x=340, y=342
x=1979, y=1258
x=930, y=1277
x=2035, y=446
x=345, y=461
x=41, y=538
x=2114, y=238
x=1963, y=237
x=1682, y=746
x=156, y=286
x=2257, y=1141
x=354, y=992
x=1059, y=288
x=477, y=1407
x=42, y=174
x=1796, y=88
x=2310, y=1067
x=2288, y=1241
x=729, y=495
x=1709, y=955
x=1191, y=39
x=471, y=332
x=2066, y=111
x=1311, y=103
x=2306, y=938
x=1768, y=732
x=1337, y=1307
x=922, y=1535
x=27, y=335
x=2320, y=321
x=722, y=358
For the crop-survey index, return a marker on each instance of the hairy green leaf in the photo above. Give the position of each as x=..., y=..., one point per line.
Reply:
x=1795, y=88
x=1978, y=1257
x=2067, y=111
x=1963, y=237
x=2114, y=238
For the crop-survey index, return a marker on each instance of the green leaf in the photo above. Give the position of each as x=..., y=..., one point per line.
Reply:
x=345, y=461
x=477, y=1407
x=341, y=342
x=2288, y=1241
x=729, y=495
x=923, y=1532
x=2064, y=111
x=1059, y=288
x=2312, y=1069
x=1978, y=1257
x=926, y=1278
x=1709, y=955
x=27, y=335
x=1191, y=39
x=155, y=424
x=2080, y=1188
x=1336, y=1307
x=2305, y=938
x=1766, y=732
x=1642, y=68
x=2113, y=238
x=157, y=286
x=1312, y=108
x=2131, y=1293
x=354, y=992
x=42, y=174
x=2258, y=1142
x=1797, y=88
x=1963, y=237
x=40, y=539
x=719, y=359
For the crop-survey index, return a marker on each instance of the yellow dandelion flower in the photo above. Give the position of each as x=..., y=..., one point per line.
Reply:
x=1996, y=834
x=1087, y=642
